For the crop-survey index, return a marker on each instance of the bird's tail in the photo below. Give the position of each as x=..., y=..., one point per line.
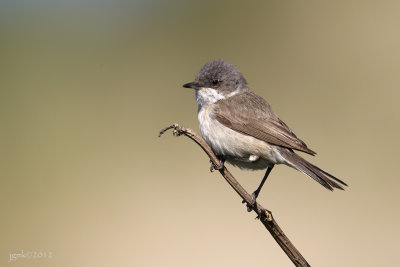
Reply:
x=325, y=179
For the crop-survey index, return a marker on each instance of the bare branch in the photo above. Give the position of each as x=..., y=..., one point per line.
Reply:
x=264, y=215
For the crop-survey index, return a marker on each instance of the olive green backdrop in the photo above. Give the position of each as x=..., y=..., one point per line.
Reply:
x=86, y=85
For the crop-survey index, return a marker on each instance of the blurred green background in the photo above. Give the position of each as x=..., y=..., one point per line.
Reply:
x=85, y=86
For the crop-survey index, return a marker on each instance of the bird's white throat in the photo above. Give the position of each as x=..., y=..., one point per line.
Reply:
x=206, y=96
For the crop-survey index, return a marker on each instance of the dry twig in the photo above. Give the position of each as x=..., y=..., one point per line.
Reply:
x=264, y=215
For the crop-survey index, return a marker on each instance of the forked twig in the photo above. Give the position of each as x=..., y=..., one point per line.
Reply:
x=264, y=215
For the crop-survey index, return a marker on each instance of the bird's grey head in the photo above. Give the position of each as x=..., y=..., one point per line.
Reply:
x=217, y=80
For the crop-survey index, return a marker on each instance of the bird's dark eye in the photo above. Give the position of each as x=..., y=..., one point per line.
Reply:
x=215, y=82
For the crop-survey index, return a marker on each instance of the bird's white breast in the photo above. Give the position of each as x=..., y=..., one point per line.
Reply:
x=225, y=141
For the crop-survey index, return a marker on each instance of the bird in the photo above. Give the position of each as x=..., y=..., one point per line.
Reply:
x=242, y=129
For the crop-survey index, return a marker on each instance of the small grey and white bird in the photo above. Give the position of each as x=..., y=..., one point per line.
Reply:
x=242, y=128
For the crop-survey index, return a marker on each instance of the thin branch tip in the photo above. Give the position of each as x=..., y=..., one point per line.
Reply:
x=175, y=126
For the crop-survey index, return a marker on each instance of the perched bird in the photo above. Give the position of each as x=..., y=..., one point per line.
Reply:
x=242, y=128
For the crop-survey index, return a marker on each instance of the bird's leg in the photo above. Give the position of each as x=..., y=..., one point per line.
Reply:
x=257, y=192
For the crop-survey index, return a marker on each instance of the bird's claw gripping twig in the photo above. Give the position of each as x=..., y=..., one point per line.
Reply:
x=252, y=205
x=217, y=167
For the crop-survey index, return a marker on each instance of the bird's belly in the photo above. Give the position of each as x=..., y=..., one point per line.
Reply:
x=227, y=142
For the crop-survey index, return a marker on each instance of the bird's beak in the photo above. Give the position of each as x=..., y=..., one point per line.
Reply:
x=193, y=85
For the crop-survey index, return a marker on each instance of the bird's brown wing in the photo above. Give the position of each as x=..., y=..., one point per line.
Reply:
x=253, y=116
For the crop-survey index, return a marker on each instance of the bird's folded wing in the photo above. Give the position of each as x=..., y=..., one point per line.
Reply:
x=253, y=116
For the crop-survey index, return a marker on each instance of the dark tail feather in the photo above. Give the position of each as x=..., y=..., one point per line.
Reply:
x=330, y=175
x=325, y=179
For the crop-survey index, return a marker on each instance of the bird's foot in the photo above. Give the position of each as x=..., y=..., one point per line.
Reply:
x=215, y=167
x=253, y=203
